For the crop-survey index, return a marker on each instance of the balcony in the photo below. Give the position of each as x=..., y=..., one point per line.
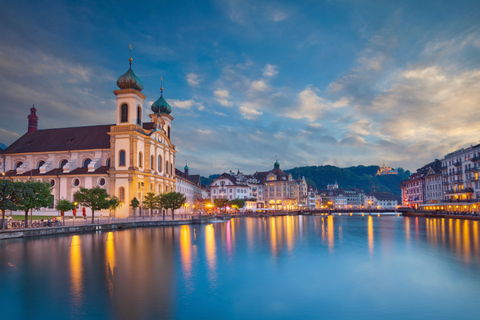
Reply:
x=456, y=192
x=458, y=172
x=457, y=164
x=475, y=159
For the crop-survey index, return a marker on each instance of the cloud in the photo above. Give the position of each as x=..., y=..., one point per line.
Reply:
x=250, y=111
x=259, y=85
x=220, y=114
x=185, y=104
x=194, y=79
x=278, y=15
x=353, y=141
x=269, y=70
x=221, y=97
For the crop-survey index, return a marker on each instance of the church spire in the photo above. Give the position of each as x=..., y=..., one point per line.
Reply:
x=32, y=120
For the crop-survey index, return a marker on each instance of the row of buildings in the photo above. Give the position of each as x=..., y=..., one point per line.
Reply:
x=449, y=184
x=277, y=190
x=129, y=158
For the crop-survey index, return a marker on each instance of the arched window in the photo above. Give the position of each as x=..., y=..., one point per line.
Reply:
x=41, y=163
x=151, y=162
x=124, y=113
x=140, y=158
x=107, y=163
x=63, y=163
x=168, y=132
x=121, y=194
x=121, y=158
x=139, y=116
x=86, y=162
x=159, y=163
x=18, y=164
x=166, y=167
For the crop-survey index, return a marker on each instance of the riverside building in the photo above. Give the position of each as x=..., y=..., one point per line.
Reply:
x=128, y=158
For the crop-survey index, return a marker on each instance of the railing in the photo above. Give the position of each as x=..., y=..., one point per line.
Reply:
x=466, y=190
x=475, y=159
x=457, y=164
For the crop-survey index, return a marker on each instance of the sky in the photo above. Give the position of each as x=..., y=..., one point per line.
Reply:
x=308, y=82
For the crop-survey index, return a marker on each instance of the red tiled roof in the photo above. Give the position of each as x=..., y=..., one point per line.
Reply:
x=62, y=139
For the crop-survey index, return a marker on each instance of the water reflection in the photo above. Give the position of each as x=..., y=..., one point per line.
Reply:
x=76, y=271
x=165, y=272
x=370, y=238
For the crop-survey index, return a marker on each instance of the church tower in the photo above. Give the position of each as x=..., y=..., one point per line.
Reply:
x=129, y=98
x=162, y=109
x=32, y=120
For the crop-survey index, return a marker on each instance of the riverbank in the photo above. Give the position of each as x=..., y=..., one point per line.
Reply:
x=38, y=232
x=438, y=215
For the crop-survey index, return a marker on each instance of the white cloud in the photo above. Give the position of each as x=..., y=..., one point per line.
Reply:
x=185, y=104
x=220, y=114
x=194, y=79
x=259, y=85
x=249, y=111
x=278, y=15
x=269, y=70
x=222, y=94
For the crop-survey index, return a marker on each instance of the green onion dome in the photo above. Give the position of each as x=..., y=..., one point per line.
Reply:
x=129, y=80
x=161, y=105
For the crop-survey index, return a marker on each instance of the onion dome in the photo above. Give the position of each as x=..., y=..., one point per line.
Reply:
x=161, y=105
x=129, y=80
x=276, y=165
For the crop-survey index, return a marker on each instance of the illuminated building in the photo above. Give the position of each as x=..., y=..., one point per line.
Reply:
x=381, y=200
x=128, y=158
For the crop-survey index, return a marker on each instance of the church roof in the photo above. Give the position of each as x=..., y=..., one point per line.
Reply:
x=57, y=172
x=62, y=139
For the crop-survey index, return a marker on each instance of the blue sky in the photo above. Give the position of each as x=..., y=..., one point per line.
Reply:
x=312, y=82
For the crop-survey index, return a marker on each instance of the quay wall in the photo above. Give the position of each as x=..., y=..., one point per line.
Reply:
x=38, y=232
x=436, y=215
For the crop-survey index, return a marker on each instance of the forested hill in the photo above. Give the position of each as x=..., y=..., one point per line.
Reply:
x=362, y=177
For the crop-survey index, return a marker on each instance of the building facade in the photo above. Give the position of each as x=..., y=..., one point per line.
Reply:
x=128, y=158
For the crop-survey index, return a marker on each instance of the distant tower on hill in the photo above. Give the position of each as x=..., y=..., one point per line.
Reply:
x=382, y=171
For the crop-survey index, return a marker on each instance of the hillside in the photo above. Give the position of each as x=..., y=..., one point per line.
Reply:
x=362, y=177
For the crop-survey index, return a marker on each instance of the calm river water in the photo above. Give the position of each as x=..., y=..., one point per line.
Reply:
x=258, y=268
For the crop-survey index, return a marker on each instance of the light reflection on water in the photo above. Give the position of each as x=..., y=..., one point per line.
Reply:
x=275, y=267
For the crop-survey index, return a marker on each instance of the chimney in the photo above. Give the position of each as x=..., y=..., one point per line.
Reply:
x=32, y=120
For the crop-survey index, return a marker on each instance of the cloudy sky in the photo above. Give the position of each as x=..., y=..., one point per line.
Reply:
x=312, y=82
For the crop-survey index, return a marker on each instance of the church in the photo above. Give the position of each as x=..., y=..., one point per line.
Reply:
x=129, y=158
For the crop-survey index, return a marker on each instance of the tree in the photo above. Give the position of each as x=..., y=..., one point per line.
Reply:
x=64, y=205
x=32, y=195
x=237, y=203
x=220, y=203
x=95, y=199
x=115, y=203
x=159, y=204
x=7, y=198
x=172, y=200
x=134, y=204
x=150, y=201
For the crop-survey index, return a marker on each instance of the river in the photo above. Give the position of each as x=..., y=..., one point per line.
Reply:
x=292, y=267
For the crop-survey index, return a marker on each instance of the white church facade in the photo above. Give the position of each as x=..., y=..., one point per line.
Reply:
x=129, y=158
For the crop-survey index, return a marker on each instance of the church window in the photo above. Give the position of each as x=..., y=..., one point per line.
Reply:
x=151, y=162
x=166, y=167
x=140, y=158
x=86, y=162
x=121, y=194
x=124, y=113
x=159, y=188
x=121, y=156
x=139, y=116
x=171, y=169
x=76, y=182
x=63, y=163
x=107, y=163
x=101, y=182
x=41, y=163
x=168, y=132
x=159, y=163
x=52, y=183
x=18, y=164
